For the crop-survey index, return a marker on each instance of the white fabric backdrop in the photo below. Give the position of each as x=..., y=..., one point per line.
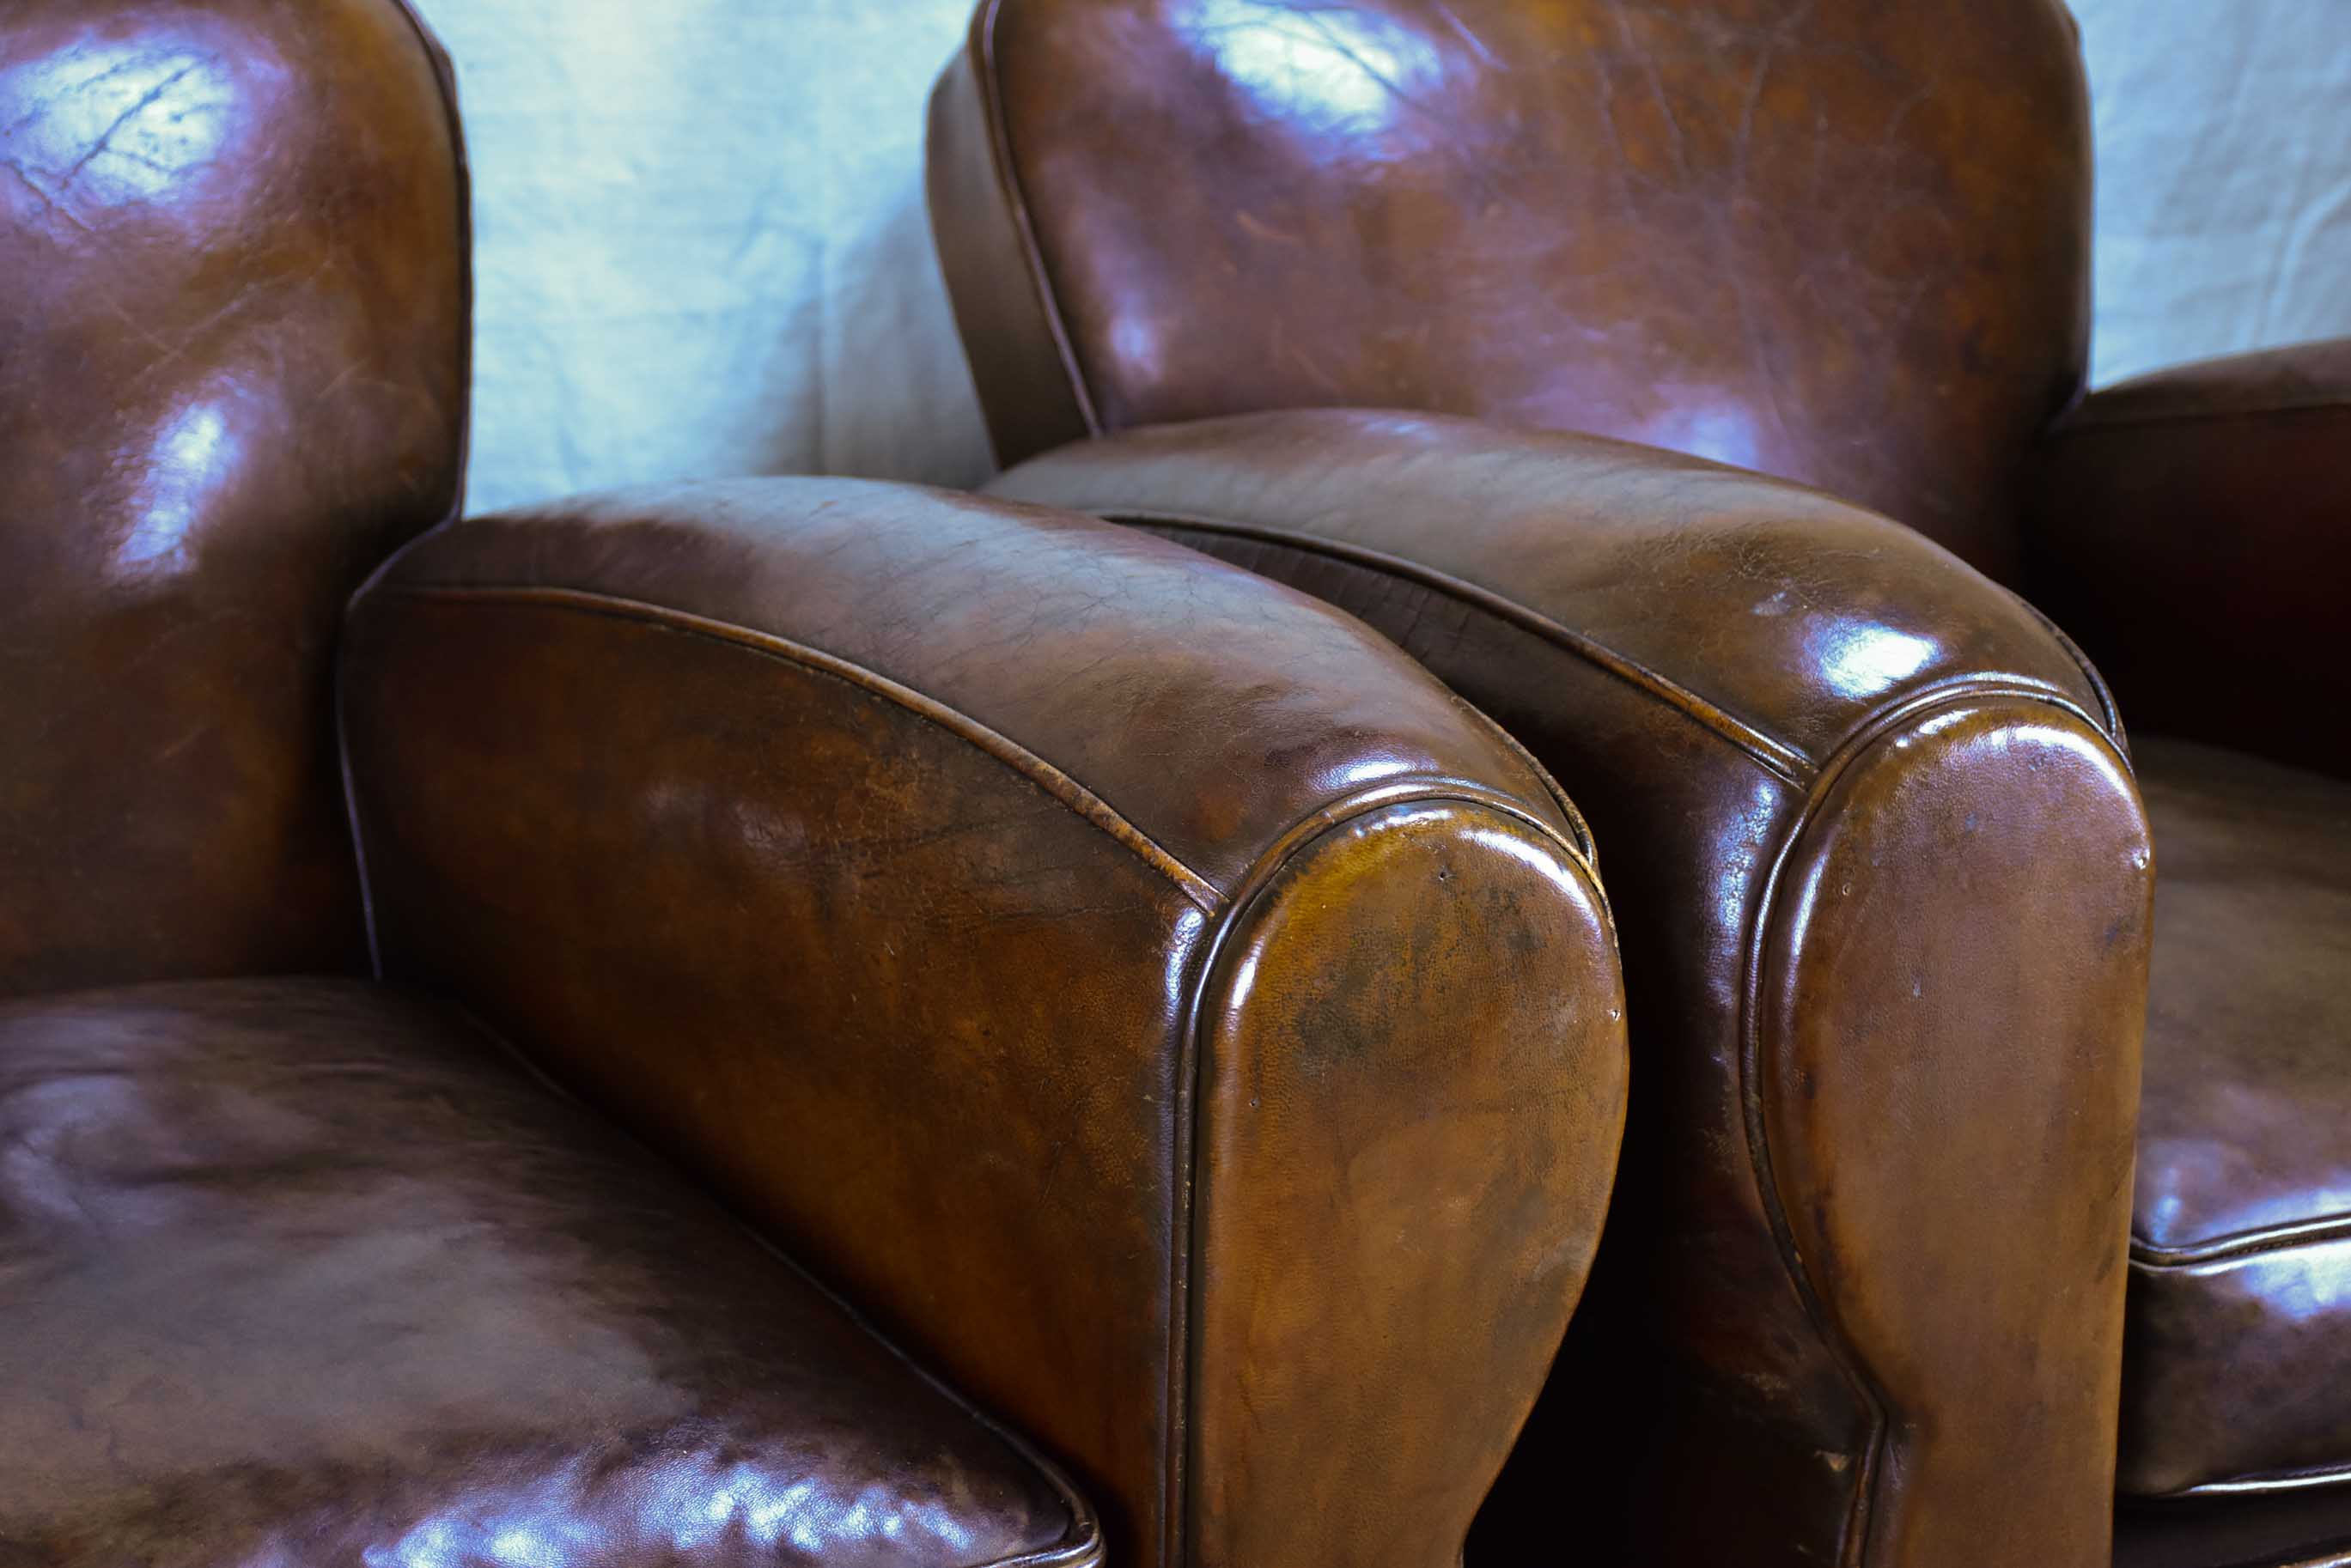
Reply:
x=701, y=245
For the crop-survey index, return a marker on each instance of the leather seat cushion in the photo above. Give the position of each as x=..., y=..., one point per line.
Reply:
x=2238, y=1351
x=304, y=1271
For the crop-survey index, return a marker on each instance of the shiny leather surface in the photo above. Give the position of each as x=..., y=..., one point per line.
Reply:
x=2188, y=527
x=302, y=1271
x=1882, y=882
x=1150, y=994
x=233, y=340
x=2240, y=1337
x=2310, y=1529
x=1839, y=241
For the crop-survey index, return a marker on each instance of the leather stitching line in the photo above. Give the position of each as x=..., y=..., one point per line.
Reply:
x=2258, y=1241
x=444, y=73
x=1776, y=757
x=1015, y=198
x=1072, y=794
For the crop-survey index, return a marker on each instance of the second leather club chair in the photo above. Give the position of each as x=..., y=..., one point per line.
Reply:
x=1876, y=1289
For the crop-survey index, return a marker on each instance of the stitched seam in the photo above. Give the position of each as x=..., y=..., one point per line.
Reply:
x=999, y=142
x=2148, y=1258
x=1580, y=831
x=444, y=73
x=2111, y=714
x=1782, y=760
x=1082, y=800
x=2270, y=1482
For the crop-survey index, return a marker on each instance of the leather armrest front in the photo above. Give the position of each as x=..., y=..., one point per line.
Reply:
x=1882, y=880
x=2193, y=529
x=1147, y=993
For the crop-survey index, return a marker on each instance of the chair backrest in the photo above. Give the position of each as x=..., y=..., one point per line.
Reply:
x=1840, y=241
x=233, y=373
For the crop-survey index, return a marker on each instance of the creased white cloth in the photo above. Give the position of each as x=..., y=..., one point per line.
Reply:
x=701, y=248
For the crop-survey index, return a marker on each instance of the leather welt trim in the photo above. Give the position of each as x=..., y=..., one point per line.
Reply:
x=999, y=141
x=1775, y=757
x=2256, y=1485
x=2109, y=713
x=1005, y=750
x=1762, y=957
x=2148, y=1258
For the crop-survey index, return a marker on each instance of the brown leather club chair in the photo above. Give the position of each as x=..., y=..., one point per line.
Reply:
x=1154, y=1000
x=1879, y=860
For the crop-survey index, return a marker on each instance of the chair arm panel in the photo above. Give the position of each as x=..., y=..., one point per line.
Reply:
x=1881, y=875
x=1067, y=945
x=2193, y=529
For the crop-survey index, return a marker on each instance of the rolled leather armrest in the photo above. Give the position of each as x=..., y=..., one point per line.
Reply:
x=1151, y=997
x=1881, y=876
x=2193, y=529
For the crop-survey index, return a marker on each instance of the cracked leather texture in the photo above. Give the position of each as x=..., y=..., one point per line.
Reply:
x=233, y=334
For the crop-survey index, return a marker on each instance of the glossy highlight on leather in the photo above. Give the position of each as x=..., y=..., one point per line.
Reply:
x=938, y=840
x=1834, y=240
x=1716, y=663
x=233, y=349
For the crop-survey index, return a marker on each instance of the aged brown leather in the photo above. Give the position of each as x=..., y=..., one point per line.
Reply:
x=301, y=1271
x=1882, y=880
x=1836, y=241
x=2299, y=1529
x=1162, y=1004
x=1241, y=1105
x=2241, y=1295
x=2189, y=528
x=1843, y=241
x=232, y=351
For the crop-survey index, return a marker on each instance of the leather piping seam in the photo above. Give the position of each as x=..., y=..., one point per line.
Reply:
x=2149, y=1259
x=444, y=73
x=1776, y=757
x=1855, y=1550
x=1016, y=199
x=2111, y=715
x=1579, y=830
x=1247, y=893
x=1779, y=758
x=2096, y=420
x=2269, y=1485
x=1082, y=800
x=1084, y=1551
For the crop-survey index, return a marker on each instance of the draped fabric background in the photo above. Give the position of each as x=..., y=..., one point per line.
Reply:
x=702, y=248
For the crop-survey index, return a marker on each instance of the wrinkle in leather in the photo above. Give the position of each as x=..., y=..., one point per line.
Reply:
x=301, y=1270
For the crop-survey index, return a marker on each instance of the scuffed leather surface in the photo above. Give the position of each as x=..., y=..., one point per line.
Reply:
x=233, y=327
x=2240, y=1300
x=872, y=849
x=2188, y=526
x=302, y=1271
x=1793, y=615
x=1882, y=883
x=1833, y=239
x=1027, y=621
